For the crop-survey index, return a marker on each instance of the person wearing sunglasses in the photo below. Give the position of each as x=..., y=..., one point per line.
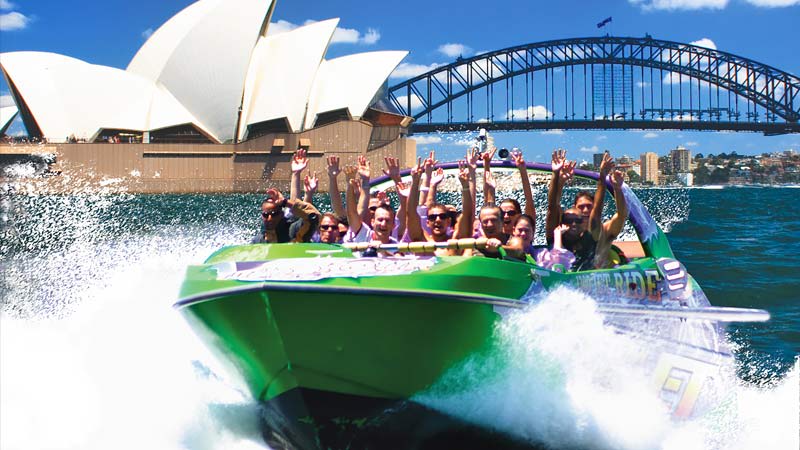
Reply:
x=329, y=231
x=439, y=218
x=277, y=228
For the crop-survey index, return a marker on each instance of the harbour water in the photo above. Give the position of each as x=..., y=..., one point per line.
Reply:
x=93, y=356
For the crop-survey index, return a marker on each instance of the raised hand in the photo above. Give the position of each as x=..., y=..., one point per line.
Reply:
x=429, y=163
x=488, y=179
x=416, y=171
x=437, y=177
x=350, y=172
x=333, y=166
x=363, y=167
x=518, y=159
x=310, y=182
x=275, y=195
x=392, y=169
x=403, y=189
x=567, y=171
x=558, y=159
x=606, y=165
x=464, y=171
x=617, y=178
x=355, y=185
x=472, y=159
x=299, y=161
x=487, y=158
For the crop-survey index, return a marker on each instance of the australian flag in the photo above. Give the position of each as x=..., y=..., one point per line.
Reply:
x=604, y=22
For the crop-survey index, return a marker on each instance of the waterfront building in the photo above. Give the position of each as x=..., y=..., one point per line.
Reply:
x=681, y=159
x=649, y=168
x=212, y=103
x=686, y=178
x=210, y=74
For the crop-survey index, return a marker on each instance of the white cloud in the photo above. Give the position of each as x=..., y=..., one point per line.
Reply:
x=13, y=21
x=671, y=5
x=555, y=131
x=454, y=50
x=602, y=137
x=650, y=135
x=691, y=144
x=705, y=42
x=340, y=36
x=416, y=103
x=424, y=140
x=773, y=3
x=147, y=33
x=5, y=4
x=406, y=70
x=6, y=100
x=592, y=149
x=642, y=84
x=353, y=36
x=281, y=26
x=537, y=112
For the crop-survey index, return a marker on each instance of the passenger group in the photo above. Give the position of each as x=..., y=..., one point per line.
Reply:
x=577, y=238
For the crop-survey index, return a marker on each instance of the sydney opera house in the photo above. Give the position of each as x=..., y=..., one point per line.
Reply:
x=210, y=102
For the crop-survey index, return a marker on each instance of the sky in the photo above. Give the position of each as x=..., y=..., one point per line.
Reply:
x=109, y=32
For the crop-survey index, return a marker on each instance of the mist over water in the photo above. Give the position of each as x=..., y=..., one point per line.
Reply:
x=93, y=356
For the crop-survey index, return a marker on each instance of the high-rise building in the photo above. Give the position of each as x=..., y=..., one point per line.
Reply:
x=649, y=167
x=597, y=159
x=681, y=160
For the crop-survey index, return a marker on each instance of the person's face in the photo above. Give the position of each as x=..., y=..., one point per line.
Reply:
x=574, y=220
x=271, y=214
x=524, y=231
x=329, y=231
x=509, y=212
x=373, y=205
x=383, y=224
x=584, y=205
x=491, y=223
x=438, y=221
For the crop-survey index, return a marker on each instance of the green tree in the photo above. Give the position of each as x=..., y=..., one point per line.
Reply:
x=634, y=177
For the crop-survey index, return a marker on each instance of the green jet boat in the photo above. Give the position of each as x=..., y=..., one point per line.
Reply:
x=335, y=346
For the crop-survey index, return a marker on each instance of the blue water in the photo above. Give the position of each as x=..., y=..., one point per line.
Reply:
x=89, y=343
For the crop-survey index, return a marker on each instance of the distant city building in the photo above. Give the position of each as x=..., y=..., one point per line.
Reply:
x=649, y=167
x=597, y=159
x=637, y=167
x=686, y=179
x=681, y=160
x=624, y=160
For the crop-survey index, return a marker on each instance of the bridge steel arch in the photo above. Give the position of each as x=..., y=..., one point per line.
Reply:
x=739, y=94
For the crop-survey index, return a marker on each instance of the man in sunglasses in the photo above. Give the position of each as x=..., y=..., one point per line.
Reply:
x=276, y=228
x=329, y=231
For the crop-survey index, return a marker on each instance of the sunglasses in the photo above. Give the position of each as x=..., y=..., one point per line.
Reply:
x=570, y=220
x=443, y=216
x=272, y=213
x=329, y=227
x=508, y=213
x=373, y=208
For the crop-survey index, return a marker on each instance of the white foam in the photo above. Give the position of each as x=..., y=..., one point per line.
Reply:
x=560, y=377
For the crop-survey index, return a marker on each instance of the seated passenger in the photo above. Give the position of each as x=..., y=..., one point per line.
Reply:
x=520, y=246
x=439, y=218
x=276, y=228
x=378, y=231
x=329, y=232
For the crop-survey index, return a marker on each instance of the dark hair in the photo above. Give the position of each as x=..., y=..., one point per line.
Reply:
x=525, y=217
x=587, y=194
x=387, y=207
x=343, y=220
x=514, y=202
x=331, y=216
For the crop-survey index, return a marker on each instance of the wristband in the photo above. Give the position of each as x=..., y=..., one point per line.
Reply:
x=424, y=189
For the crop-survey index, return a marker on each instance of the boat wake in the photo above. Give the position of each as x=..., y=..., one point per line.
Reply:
x=559, y=377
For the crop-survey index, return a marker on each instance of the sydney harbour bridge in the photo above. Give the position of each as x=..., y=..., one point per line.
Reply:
x=602, y=83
